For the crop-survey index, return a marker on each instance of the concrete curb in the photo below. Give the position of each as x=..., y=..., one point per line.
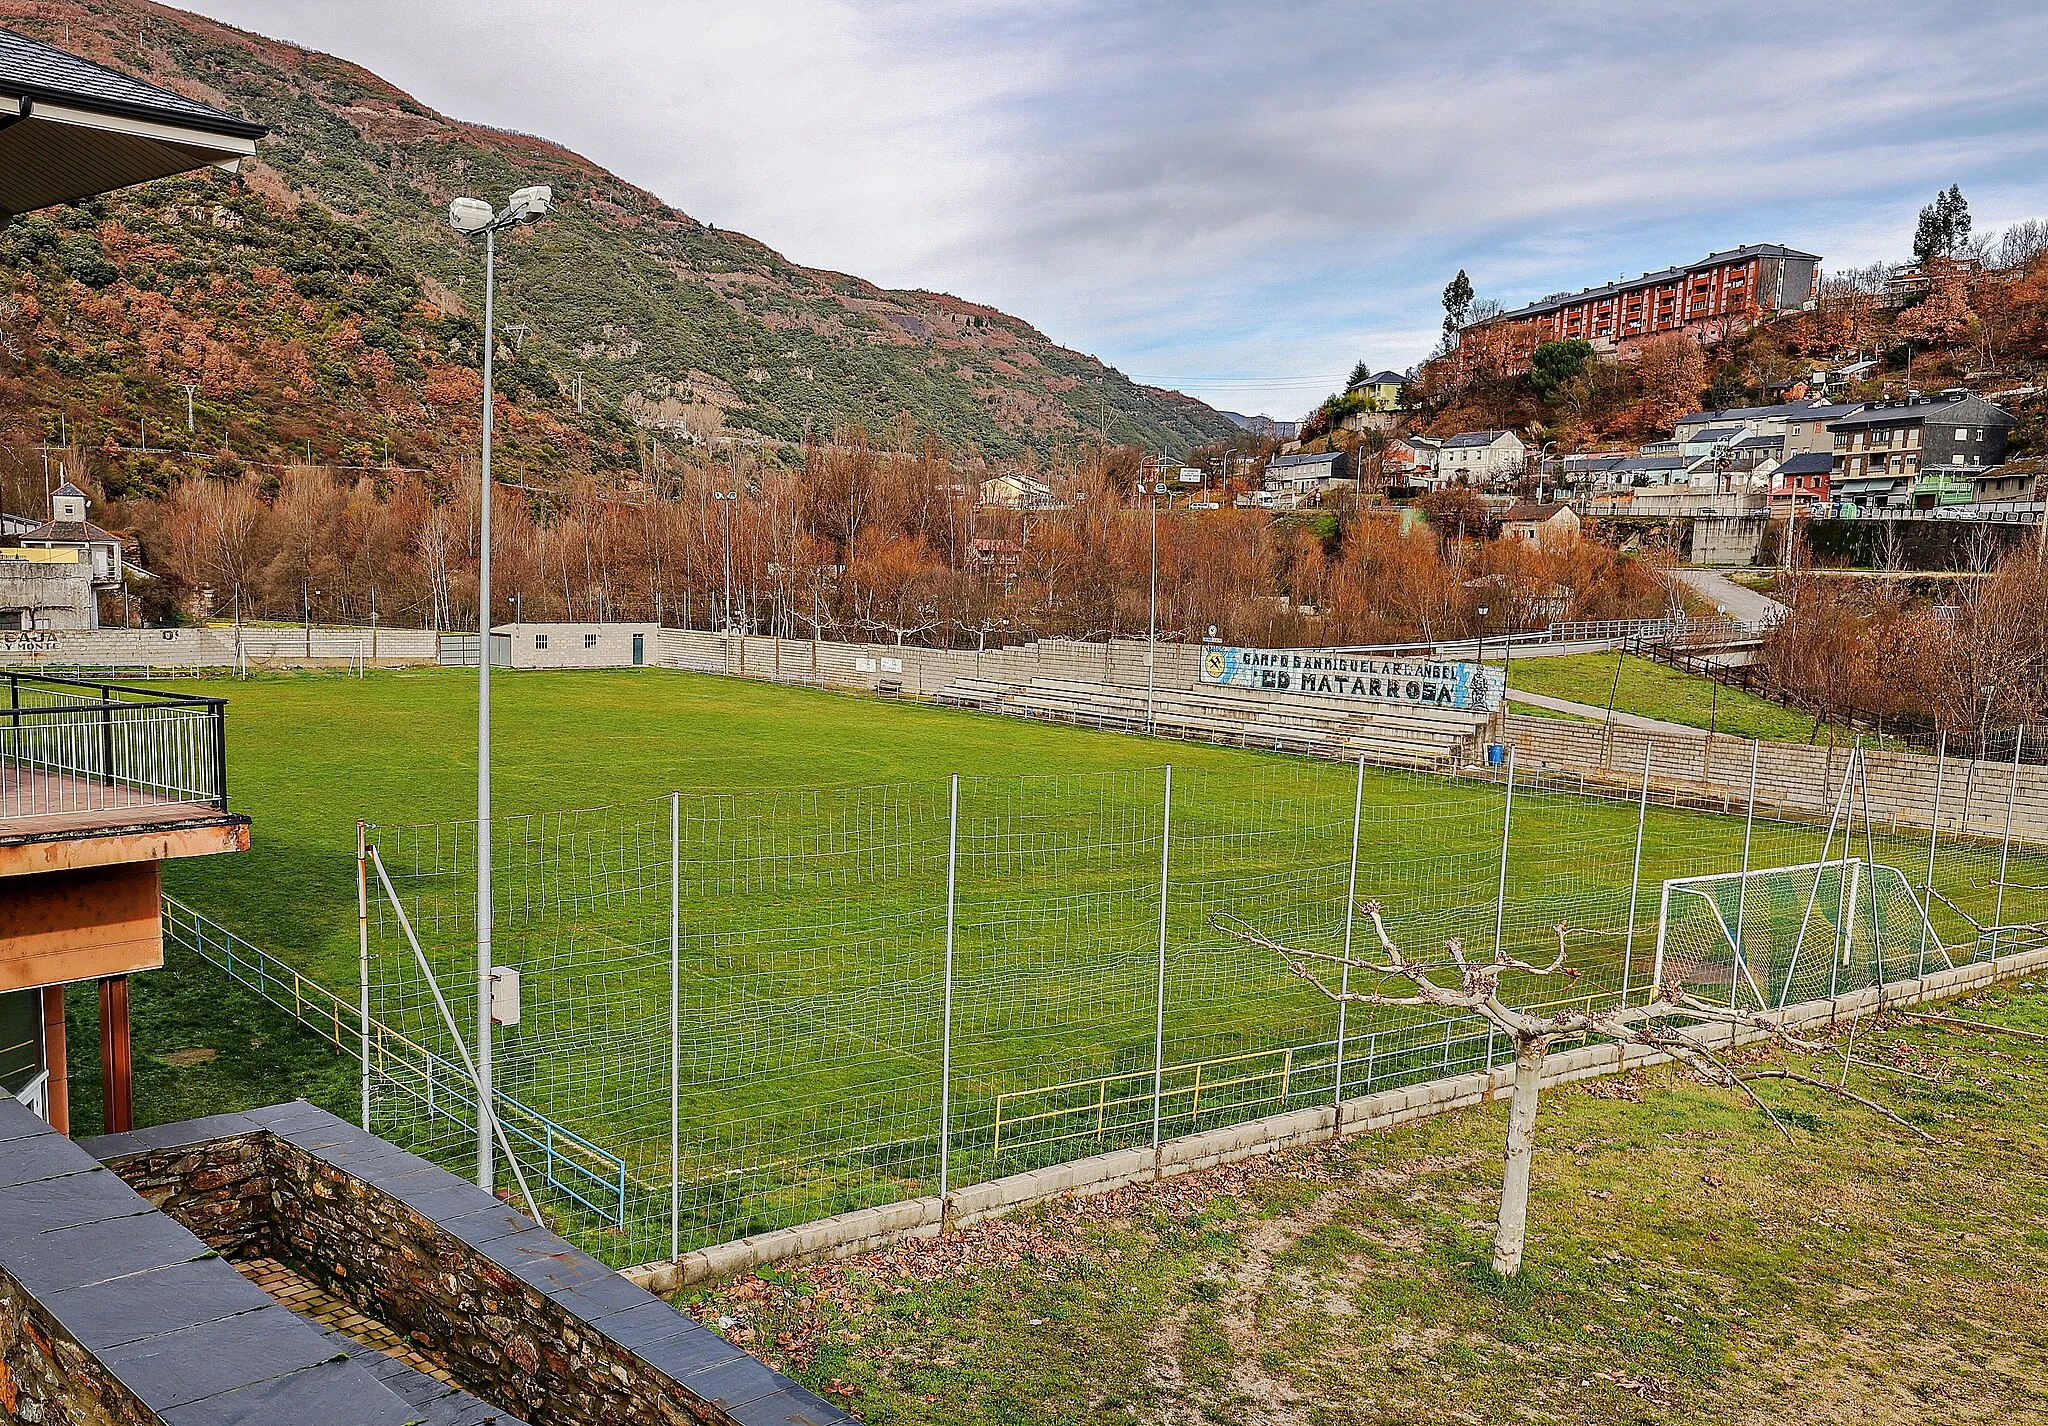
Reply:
x=864, y=1229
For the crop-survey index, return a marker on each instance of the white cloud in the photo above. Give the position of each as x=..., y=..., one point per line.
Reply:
x=1204, y=190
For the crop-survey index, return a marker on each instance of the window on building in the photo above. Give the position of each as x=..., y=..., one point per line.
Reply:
x=540, y=641
x=590, y=641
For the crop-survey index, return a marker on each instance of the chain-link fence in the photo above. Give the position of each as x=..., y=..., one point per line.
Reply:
x=739, y=1011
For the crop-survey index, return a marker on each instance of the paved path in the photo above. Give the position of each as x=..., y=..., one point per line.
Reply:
x=1599, y=714
x=1741, y=602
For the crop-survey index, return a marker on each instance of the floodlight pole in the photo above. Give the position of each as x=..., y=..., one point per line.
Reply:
x=1742, y=891
x=484, y=1162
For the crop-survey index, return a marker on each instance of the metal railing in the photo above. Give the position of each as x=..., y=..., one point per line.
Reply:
x=569, y=1163
x=77, y=745
x=1286, y=1077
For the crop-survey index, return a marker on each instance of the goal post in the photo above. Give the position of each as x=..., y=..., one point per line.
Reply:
x=1773, y=936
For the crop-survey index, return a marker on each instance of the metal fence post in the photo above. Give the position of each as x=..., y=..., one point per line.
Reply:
x=1159, y=993
x=1507, y=827
x=1933, y=834
x=2019, y=740
x=946, y=1022
x=362, y=960
x=1742, y=885
x=1635, y=878
x=1350, y=905
x=675, y=1025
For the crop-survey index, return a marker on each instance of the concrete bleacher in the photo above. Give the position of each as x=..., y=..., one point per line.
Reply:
x=1417, y=737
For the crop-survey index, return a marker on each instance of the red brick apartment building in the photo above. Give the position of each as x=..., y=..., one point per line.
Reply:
x=1720, y=294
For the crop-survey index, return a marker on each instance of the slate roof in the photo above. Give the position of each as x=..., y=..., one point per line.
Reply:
x=1522, y=514
x=1947, y=409
x=1759, y=443
x=1715, y=433
x=1807, y=463
x=1789, y=410
x=1312, y=458
x=71, y=532
x=38, y=71
x=1474, y=438
x=1386, y=378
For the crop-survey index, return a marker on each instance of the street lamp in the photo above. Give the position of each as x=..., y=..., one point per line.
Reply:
x=471, y=217
x=1482, y=636
x=725, y=499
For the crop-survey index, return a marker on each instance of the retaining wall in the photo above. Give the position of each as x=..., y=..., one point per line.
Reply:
x=224, y=647
x=869, y=1228
x=1791, y=777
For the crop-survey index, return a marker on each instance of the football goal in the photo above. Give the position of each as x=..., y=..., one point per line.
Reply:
x=1774, y=936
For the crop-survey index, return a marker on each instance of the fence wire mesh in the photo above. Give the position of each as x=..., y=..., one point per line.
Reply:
x=774, y=1051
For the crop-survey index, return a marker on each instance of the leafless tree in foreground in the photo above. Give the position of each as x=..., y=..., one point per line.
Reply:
x=1649, y=1025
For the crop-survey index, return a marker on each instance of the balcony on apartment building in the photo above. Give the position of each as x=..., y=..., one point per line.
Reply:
x=100, y=784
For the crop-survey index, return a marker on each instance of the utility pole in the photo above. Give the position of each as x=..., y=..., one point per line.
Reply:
x=189, y=426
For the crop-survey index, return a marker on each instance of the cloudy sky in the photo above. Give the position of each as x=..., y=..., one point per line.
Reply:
x=1241, y=200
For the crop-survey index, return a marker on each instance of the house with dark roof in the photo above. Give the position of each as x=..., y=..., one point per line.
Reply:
x=1385, y=388
x=1303, y=479
x=1803, y=425
x=1481, y=457
x=1918, y=451
x=1801, y=480
x=1549, y=525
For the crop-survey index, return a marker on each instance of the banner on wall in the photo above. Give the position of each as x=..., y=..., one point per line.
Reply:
x=1313, y=673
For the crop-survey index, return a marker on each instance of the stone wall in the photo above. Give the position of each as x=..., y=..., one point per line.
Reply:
x=522, y=1319
x=46, y=1376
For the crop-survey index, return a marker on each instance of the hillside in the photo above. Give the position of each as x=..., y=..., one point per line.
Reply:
x=321, y=308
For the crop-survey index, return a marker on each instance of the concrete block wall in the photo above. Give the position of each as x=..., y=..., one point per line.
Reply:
x=217, y=647
x=1793, y=776
x=868, y=1228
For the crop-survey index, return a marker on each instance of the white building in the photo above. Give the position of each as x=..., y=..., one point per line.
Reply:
x=1016, y=491
x=54, y=576
x=574, y=645
x=1481, y=457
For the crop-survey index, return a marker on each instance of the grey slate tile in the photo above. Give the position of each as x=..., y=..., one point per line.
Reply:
x=331, y=1394
x=183, y=1134
x=735, y=1383
x=41, y=1156
x=73, y=1257
x=18, y=1121
x=685, y=1354
x=175, y=1368
x=644, y=1322
x=792, y=1406
x=128, y=1309
x=28, y=1210
x=486, y=1224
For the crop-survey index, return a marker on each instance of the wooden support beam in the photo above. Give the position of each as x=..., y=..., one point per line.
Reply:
x=117, y=1065
x=58, y=1095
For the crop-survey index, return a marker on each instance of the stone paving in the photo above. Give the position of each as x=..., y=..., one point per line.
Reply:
x=301, y=1294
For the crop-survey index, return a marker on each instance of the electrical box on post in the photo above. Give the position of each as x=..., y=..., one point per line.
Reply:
x=504, y=995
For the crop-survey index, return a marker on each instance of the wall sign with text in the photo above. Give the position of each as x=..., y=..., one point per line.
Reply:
x=1314, y=673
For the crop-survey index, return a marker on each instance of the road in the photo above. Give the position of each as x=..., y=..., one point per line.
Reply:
x=1741, y=603
x=1599, y=715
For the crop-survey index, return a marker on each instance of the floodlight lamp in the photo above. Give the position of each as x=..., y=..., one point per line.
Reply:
x=530, y=203
x=469, y=215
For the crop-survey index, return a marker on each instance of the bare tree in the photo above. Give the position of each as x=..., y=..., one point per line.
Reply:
x=1477, y=992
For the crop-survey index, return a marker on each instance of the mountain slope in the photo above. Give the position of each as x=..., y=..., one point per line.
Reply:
x=319, y=302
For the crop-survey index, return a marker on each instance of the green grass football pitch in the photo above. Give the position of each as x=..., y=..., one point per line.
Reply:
x=813, y=847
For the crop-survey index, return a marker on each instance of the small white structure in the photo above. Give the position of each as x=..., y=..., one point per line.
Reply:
x=1016, y=491
x=1480, y=457
x=574, y=645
